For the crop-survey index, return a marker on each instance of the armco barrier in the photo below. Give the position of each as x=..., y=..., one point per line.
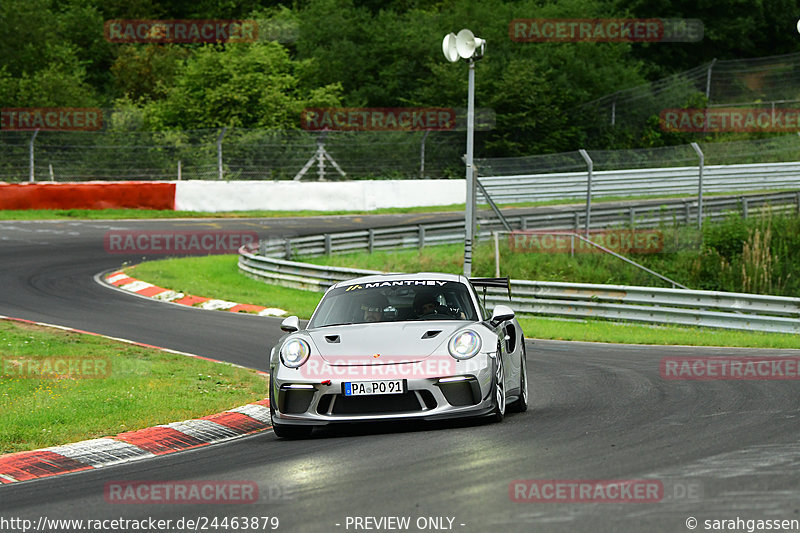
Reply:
x=645, y=214
x=641, y=304
x=645, y=181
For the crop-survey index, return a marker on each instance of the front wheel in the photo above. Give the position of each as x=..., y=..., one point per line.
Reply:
x=520, y=405
x=292, y=432
x=499, y=392
x=285, y=431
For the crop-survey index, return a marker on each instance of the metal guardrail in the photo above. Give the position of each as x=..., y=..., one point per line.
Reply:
x=270, y=262
x=641, y=304
x=642, y=215
x=645, y=181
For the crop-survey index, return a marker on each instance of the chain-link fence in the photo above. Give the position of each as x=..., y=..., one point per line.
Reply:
x=775, y=149
x=228, y=154
x=755, y=82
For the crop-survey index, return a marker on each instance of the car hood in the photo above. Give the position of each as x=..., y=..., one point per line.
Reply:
x=382, y=343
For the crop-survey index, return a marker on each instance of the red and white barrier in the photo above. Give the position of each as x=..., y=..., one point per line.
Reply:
x=216, y=196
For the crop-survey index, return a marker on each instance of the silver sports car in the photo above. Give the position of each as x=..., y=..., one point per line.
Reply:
x=398, y=346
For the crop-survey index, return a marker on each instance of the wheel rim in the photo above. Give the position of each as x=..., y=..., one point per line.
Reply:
x=500, y=389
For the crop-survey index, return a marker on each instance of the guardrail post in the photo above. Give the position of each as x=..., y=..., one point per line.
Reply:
x=523, y=222
x=219, y=152
x=287, y=249
x=179, y=170
x=370, y=240
x=577, y=221
x=632, y=216
x=589, y=164
x=421, y=236
x=328, y=244
x=32, y=174
x=700, y=178
x=686, y=209
x=496, y=253
x=744, y=206
x=797, y=196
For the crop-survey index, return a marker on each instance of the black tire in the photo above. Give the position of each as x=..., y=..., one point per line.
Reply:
x=520, y=405
x=498, y=389
x=292, y=432
x=284, y=431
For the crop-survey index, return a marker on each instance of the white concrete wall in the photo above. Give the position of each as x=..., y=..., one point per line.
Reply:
x=365, y=195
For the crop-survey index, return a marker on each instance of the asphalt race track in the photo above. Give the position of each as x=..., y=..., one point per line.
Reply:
x=721, y=450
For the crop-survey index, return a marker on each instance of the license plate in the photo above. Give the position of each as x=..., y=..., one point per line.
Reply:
x=363, y=388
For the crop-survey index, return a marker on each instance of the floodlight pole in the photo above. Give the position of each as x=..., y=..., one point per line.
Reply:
x=469, y=214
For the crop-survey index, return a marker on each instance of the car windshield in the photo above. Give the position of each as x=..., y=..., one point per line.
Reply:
x=393, y=301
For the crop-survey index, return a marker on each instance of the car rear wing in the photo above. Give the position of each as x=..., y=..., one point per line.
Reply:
x=502, y=283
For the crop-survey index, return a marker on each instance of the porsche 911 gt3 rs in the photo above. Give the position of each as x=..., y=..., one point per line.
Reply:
x=399, y=346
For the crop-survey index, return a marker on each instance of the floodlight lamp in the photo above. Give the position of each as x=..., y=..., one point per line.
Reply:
x=467, y=44
x=449, y=47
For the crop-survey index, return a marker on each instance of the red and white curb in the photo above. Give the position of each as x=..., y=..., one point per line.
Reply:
x=124, y=282
x=134, y=445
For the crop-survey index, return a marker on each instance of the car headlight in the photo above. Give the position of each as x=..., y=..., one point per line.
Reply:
x=464, y=344
x=294, y=352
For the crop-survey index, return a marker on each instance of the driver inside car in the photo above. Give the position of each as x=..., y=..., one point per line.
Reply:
x=425, y=303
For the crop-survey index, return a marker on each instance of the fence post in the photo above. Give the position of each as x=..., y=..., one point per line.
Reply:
x=708, y=79
x=371, y=240
x=700, y=182
x=219, y=152
x=589, y=164
x=614, y=109
x=179, y=170
x=32, y=174
x=422, y=156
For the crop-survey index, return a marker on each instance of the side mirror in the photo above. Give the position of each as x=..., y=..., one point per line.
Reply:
x=501, y=313
x=290, y=324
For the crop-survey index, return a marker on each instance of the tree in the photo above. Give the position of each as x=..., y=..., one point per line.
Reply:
x=252, y=85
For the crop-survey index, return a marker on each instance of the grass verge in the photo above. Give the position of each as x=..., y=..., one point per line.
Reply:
x=219, y=277
x=127, y=387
